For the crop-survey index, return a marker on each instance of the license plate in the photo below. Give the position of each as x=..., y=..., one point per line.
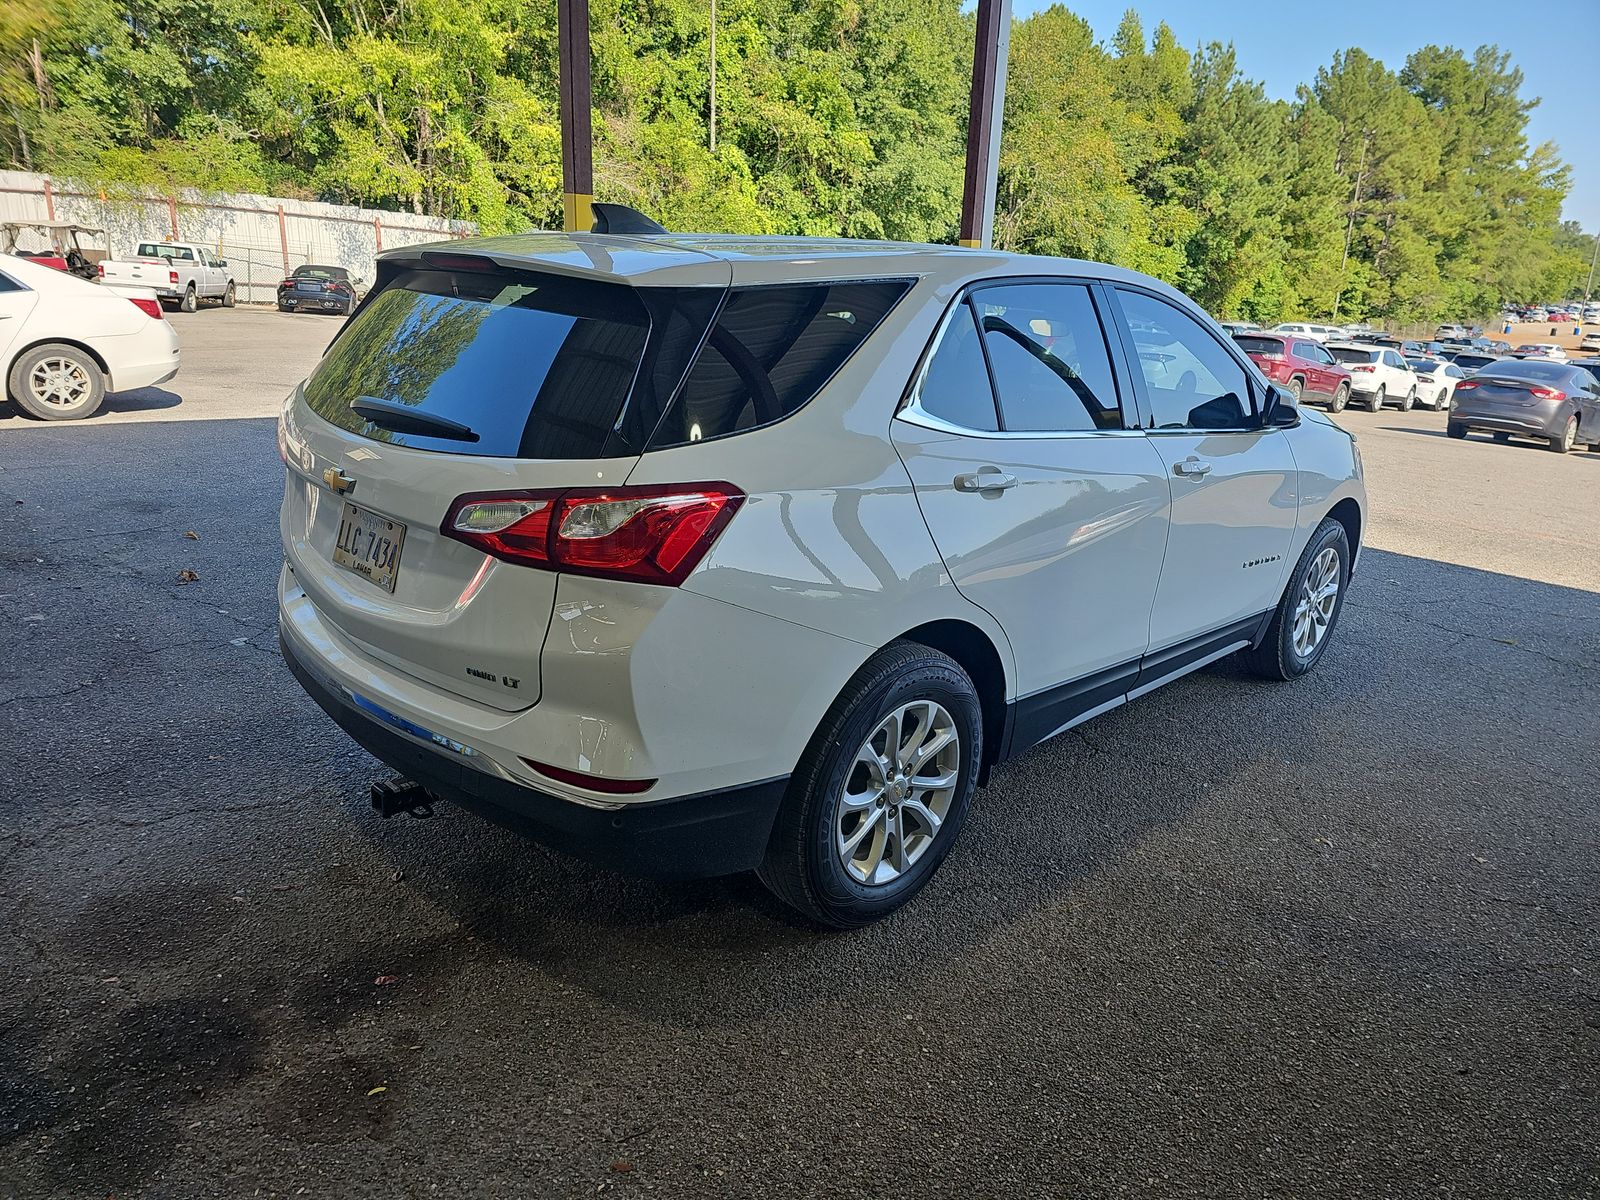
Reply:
x=369, y=545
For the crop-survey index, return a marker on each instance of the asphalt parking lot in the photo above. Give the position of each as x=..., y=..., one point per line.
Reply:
x=1340, y=938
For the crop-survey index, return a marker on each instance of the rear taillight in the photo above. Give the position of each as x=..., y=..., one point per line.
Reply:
x=651, y=534
x=1362, y=367
x=100, y=270
x=150, y=307
x=172, y=278
x=1467, y=385
x=1545, y=393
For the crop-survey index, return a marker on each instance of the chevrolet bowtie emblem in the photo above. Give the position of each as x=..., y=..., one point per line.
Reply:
x=336, y=479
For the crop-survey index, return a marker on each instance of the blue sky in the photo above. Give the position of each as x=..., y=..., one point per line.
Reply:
x=1557, y=46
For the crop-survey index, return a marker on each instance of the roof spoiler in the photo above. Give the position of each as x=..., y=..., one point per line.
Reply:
x=619, y=218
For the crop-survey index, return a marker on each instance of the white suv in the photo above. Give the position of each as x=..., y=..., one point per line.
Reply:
x=1320, y=332
x=697, y=554
x=1378, y=375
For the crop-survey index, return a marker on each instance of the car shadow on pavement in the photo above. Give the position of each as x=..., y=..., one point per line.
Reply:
x=150, y=399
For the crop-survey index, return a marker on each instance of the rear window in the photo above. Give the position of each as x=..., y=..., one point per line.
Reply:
x=770, y=351
x=1424, y=365
x=534, y=365
x=1348, y=355
x=1473, y=361
x=1258, y=345
x=154, y=250
x=1539, y=372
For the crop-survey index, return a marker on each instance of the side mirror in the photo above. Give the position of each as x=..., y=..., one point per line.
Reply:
x=221, y=262
x=1281, y=411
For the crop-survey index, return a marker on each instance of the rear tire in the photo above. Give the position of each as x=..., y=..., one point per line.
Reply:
x=190, y=301
x=1341, y=397
x=1378, y=399
x=1502, y=438
x=1297, y=387
x=1455, y=429
x=57, y=382
x=1564, y=440
x=1304, y=622
x=846, y=849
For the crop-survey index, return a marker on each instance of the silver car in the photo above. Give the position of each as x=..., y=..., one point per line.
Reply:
x=1556, y=402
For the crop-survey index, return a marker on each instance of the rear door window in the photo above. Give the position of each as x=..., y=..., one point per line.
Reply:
x=956, y=386
x=1047, y=353
x=1351, y=355
x=532, y=365
x=770, y=351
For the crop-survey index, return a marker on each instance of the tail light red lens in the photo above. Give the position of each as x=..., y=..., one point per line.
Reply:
x=595, y=783
x=1362, y=367
x=650, y=534
x=149, y=307
x=1467, y=385
x=100, y=270
x=172, y=278
x=1545, y=393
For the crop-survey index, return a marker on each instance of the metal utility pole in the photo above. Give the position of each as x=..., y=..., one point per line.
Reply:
x=1588, y=288
x=577, y=134
x=1350, y=225
x=713, y=76
x=983, y=121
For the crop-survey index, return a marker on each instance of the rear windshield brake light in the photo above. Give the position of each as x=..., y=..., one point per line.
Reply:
x=460, y=262
x=650, y=534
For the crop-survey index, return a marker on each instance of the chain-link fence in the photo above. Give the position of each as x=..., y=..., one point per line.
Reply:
x=262, y=237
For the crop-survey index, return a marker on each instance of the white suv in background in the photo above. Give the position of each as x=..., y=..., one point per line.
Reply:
x=1378, y=375
x=700, y=554
x=1321, y=332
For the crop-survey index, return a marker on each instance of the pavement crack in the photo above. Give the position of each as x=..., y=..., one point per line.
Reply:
x=1469, y=634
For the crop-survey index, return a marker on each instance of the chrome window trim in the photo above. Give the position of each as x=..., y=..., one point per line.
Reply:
x=912, y=412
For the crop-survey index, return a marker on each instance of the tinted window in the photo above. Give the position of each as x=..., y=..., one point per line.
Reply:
x=770, y=351
x=1593, y=368
x=1392, y=359
x=1423, y=365
x=1193, y=382
x=314, y=272
x=1473, y=361
x=1258, y=345
x=1048, y=355
x=1539, y=372
x=1351, y=355
x=956, y=386
x=8, y=284
x=538, y=366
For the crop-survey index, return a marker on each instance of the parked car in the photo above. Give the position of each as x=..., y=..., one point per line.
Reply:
x=1232, y=327
x=182, y=273
x=1547, y=350
x=1470, y=362
x=1591, y=341
x=1300, y=364
x=318, y=288
x=1446, y=333
x=1561, y=315
x=1378, y=375
x=1321, y=332
x=777, y=591
x=65, y=343
x=1436, y=380
x=1556, y=402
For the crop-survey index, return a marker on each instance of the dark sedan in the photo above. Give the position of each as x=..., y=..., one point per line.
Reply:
x=1557, y=403
x=315, y=288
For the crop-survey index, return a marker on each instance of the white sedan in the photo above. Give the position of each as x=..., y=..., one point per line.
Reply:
x=1436, y=380
x=65, y=342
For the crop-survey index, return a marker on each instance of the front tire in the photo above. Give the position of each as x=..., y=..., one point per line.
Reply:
x=1378, y=399
x=881, y=791
x=1303, y=625
x=230, y=297
x=1409, y=401
x=191, y=300
x=1341, y=397
x=57, y=382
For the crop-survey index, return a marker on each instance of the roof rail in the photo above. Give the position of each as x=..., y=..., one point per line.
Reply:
x=619, y=218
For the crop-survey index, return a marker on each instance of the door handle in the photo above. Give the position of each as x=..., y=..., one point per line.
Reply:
x=989, y=479
x=1192, y=468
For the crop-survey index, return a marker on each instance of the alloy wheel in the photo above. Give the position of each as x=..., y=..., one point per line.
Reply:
x=60, y=382
x=897, y=793
x=1319, y=594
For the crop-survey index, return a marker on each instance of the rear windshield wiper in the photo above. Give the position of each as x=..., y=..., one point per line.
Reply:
x=402, y=418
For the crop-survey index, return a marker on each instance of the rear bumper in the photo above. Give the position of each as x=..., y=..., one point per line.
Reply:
x=1536, y=421
x=691, y=837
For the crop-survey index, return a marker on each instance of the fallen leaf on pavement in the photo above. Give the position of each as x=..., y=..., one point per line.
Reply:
x=188, y=576
x=622, y=1166
x=376, y=1090
x=191, y=535
x=385, y=979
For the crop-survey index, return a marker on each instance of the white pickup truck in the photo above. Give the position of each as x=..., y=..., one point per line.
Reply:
x=182, y=273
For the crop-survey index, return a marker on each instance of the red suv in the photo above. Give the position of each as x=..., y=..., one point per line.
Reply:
x=1300, y=365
